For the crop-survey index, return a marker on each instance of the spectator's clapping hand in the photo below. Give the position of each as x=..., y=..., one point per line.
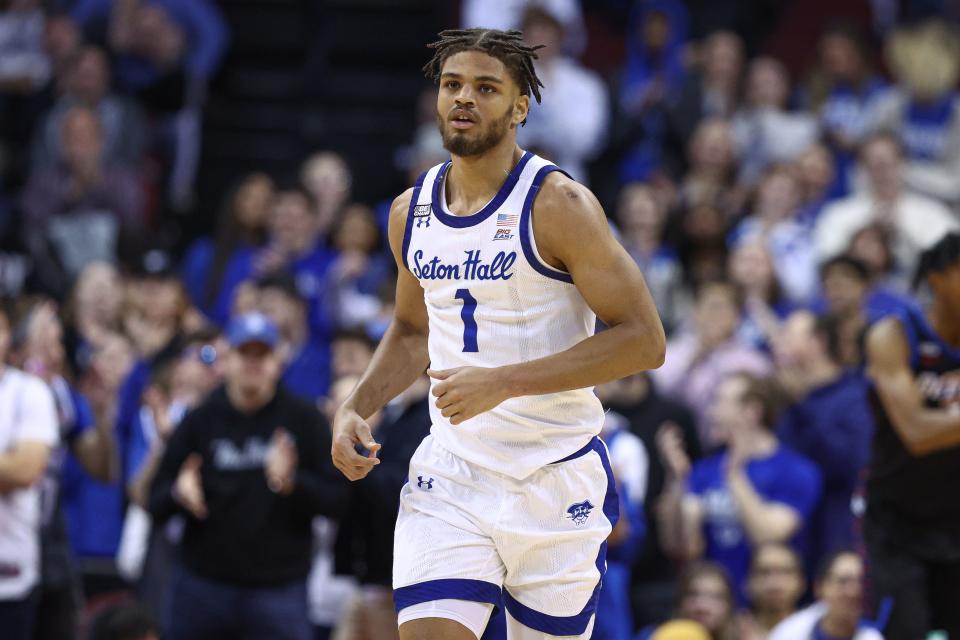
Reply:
x=281, y=466
x=672, y=452
x=188, y=490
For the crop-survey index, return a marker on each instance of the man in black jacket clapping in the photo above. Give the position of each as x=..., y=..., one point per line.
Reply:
x=249, y=468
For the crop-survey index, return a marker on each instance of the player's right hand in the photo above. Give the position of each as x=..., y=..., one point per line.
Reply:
x=349, y=430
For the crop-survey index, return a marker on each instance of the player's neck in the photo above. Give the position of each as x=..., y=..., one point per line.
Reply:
x=945, y=323
x=474, y=180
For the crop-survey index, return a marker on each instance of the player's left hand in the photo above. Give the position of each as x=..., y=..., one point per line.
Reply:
x=466, y=392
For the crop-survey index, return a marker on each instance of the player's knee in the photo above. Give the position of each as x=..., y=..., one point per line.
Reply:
x=435, y=629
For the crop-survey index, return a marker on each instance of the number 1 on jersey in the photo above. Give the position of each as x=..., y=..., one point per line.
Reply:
x=469, y=322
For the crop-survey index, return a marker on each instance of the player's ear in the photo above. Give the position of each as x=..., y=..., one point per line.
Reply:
x=520, y=110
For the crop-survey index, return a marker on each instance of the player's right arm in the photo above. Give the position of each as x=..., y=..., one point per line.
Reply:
x=923, y=430
x=400, y=358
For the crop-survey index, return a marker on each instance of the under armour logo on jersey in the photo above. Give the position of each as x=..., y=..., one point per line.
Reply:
x=580, y=511
x=421, y=483
x=422, y=214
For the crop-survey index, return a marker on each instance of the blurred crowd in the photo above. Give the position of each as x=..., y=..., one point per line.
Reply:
x=774, y=218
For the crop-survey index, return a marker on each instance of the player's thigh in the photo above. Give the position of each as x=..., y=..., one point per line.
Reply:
x=442, y=546
x=519, y=631
x=554, y=545
x=435, y=629
x=447, y=618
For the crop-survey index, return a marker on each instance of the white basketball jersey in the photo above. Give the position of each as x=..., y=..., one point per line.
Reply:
x=492, y=301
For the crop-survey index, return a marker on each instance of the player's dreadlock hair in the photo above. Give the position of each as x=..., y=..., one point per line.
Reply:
x=939, y=257
x=506, y=46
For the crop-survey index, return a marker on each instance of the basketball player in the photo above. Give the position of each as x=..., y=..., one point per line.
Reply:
x=505, y=263
x=912, y=524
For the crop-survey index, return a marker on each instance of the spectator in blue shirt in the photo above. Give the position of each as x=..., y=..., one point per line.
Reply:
x=307, y=365
x=295, y=245
x=829, y=422
x=241, y=224
x=154, y=320
x=842, y=91
x=198, y=40
x=755, y=491
x=630, y=463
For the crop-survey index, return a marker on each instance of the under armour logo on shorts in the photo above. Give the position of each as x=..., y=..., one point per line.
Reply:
x=421, y=483
x=580, y=511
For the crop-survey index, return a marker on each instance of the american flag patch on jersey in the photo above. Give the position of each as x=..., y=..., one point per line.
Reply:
x=507, y=219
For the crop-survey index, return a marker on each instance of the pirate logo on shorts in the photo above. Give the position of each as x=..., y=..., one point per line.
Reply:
x=580, y=511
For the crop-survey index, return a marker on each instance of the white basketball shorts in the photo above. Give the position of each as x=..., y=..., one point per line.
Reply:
x=536, y=546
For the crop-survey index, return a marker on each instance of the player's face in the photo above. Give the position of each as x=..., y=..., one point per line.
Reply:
x=478, y=104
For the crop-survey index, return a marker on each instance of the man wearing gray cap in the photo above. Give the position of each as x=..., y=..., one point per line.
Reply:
x=249, y=469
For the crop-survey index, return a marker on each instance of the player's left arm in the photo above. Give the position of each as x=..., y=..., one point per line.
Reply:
x=572, y=234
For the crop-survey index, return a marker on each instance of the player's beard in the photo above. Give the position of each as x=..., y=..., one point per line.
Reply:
x=459, y=143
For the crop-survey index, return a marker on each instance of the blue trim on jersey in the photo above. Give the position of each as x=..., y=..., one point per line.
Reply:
x=408, y=230
x=525, y=243
x=924, y=326
x=574, y=625
x=461, y=222
x=469, y=321
x=446, y=589
x=582, y=451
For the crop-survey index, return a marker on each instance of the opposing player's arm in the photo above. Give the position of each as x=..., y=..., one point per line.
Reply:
x=923, y=430
x=572, y=234
x=399, y=359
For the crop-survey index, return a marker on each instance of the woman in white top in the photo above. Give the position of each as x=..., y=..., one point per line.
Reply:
x=837, y=613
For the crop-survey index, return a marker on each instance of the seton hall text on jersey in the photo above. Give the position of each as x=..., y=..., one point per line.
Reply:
x=472, y=268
